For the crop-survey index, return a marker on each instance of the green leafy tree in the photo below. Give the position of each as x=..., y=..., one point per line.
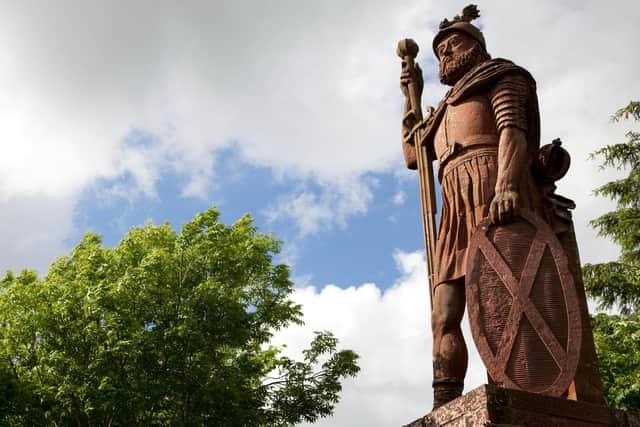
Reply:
x=616, y=284
x=165, y=328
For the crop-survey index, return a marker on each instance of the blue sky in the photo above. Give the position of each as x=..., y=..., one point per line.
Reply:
x=344, y=255
x=116, y=113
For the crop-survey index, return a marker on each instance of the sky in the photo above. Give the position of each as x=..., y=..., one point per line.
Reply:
x=115, y=113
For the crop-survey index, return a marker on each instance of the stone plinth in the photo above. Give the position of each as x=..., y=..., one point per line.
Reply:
x=490, y=405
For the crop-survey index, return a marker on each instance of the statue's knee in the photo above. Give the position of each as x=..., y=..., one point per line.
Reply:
x=437, y=324
x=444, y=322
x=448, y=309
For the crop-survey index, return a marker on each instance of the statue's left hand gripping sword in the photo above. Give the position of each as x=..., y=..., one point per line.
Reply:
x=407, y=50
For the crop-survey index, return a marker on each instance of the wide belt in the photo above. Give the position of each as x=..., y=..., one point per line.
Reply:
x=458, y=153
x=470, y=141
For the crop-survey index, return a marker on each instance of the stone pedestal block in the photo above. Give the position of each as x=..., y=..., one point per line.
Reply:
x=492, y=406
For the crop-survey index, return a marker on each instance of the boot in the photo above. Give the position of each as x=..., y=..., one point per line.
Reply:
x=445, y=390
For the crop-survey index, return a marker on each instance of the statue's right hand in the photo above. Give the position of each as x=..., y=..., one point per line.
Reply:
x=405, y=79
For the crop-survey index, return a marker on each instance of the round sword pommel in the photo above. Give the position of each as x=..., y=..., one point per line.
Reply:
x=407, y=47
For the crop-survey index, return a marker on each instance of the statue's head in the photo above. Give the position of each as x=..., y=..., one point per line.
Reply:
x=459, y=46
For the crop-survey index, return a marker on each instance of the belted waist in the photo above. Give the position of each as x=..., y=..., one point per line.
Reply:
x=464, y=155
x=470, y=141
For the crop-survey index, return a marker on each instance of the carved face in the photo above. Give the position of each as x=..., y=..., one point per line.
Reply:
x=458, y=53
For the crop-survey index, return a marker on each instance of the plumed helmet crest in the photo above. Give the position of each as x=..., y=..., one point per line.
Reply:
x=463, y=24
x=469, y=13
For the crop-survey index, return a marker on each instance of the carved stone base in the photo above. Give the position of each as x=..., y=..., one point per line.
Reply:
x=490, y=405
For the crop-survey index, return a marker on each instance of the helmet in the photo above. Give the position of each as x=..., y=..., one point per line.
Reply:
x=461, y=24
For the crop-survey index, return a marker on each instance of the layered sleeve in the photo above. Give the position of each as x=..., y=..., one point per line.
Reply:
x=509, y=100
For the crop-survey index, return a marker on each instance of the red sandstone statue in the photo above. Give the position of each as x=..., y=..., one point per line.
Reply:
x=502, y=229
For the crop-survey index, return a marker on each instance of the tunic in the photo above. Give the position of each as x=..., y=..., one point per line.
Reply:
x=463, y=135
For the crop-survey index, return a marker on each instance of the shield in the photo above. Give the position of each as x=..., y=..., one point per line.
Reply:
x=523, y=308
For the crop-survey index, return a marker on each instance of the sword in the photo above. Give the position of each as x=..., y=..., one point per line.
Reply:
x=407, y=50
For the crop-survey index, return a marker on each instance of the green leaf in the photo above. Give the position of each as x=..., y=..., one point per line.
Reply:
x=165, y=328
x=616, y=285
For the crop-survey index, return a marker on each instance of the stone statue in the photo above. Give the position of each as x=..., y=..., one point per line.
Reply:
x=499, y=209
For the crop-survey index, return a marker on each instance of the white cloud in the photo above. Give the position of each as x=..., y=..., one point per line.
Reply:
x=33, y=230
x=307, y=89
x=314, y=211
x=399, y=198
x=390, y=330
x=294, y=90
x=584, y=69
x=289, y=254
x=285, y=81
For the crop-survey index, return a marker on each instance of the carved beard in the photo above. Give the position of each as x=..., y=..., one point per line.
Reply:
x=454, y=68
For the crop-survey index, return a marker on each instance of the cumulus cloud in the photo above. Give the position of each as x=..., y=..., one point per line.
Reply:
x=306, y=89
x=313, y=211
x=390, y=330
x=31, y=230
x=584, y=73
x=292, y=89
x=292, y=84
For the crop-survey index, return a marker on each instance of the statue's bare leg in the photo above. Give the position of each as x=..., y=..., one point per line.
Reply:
x=449, y=350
